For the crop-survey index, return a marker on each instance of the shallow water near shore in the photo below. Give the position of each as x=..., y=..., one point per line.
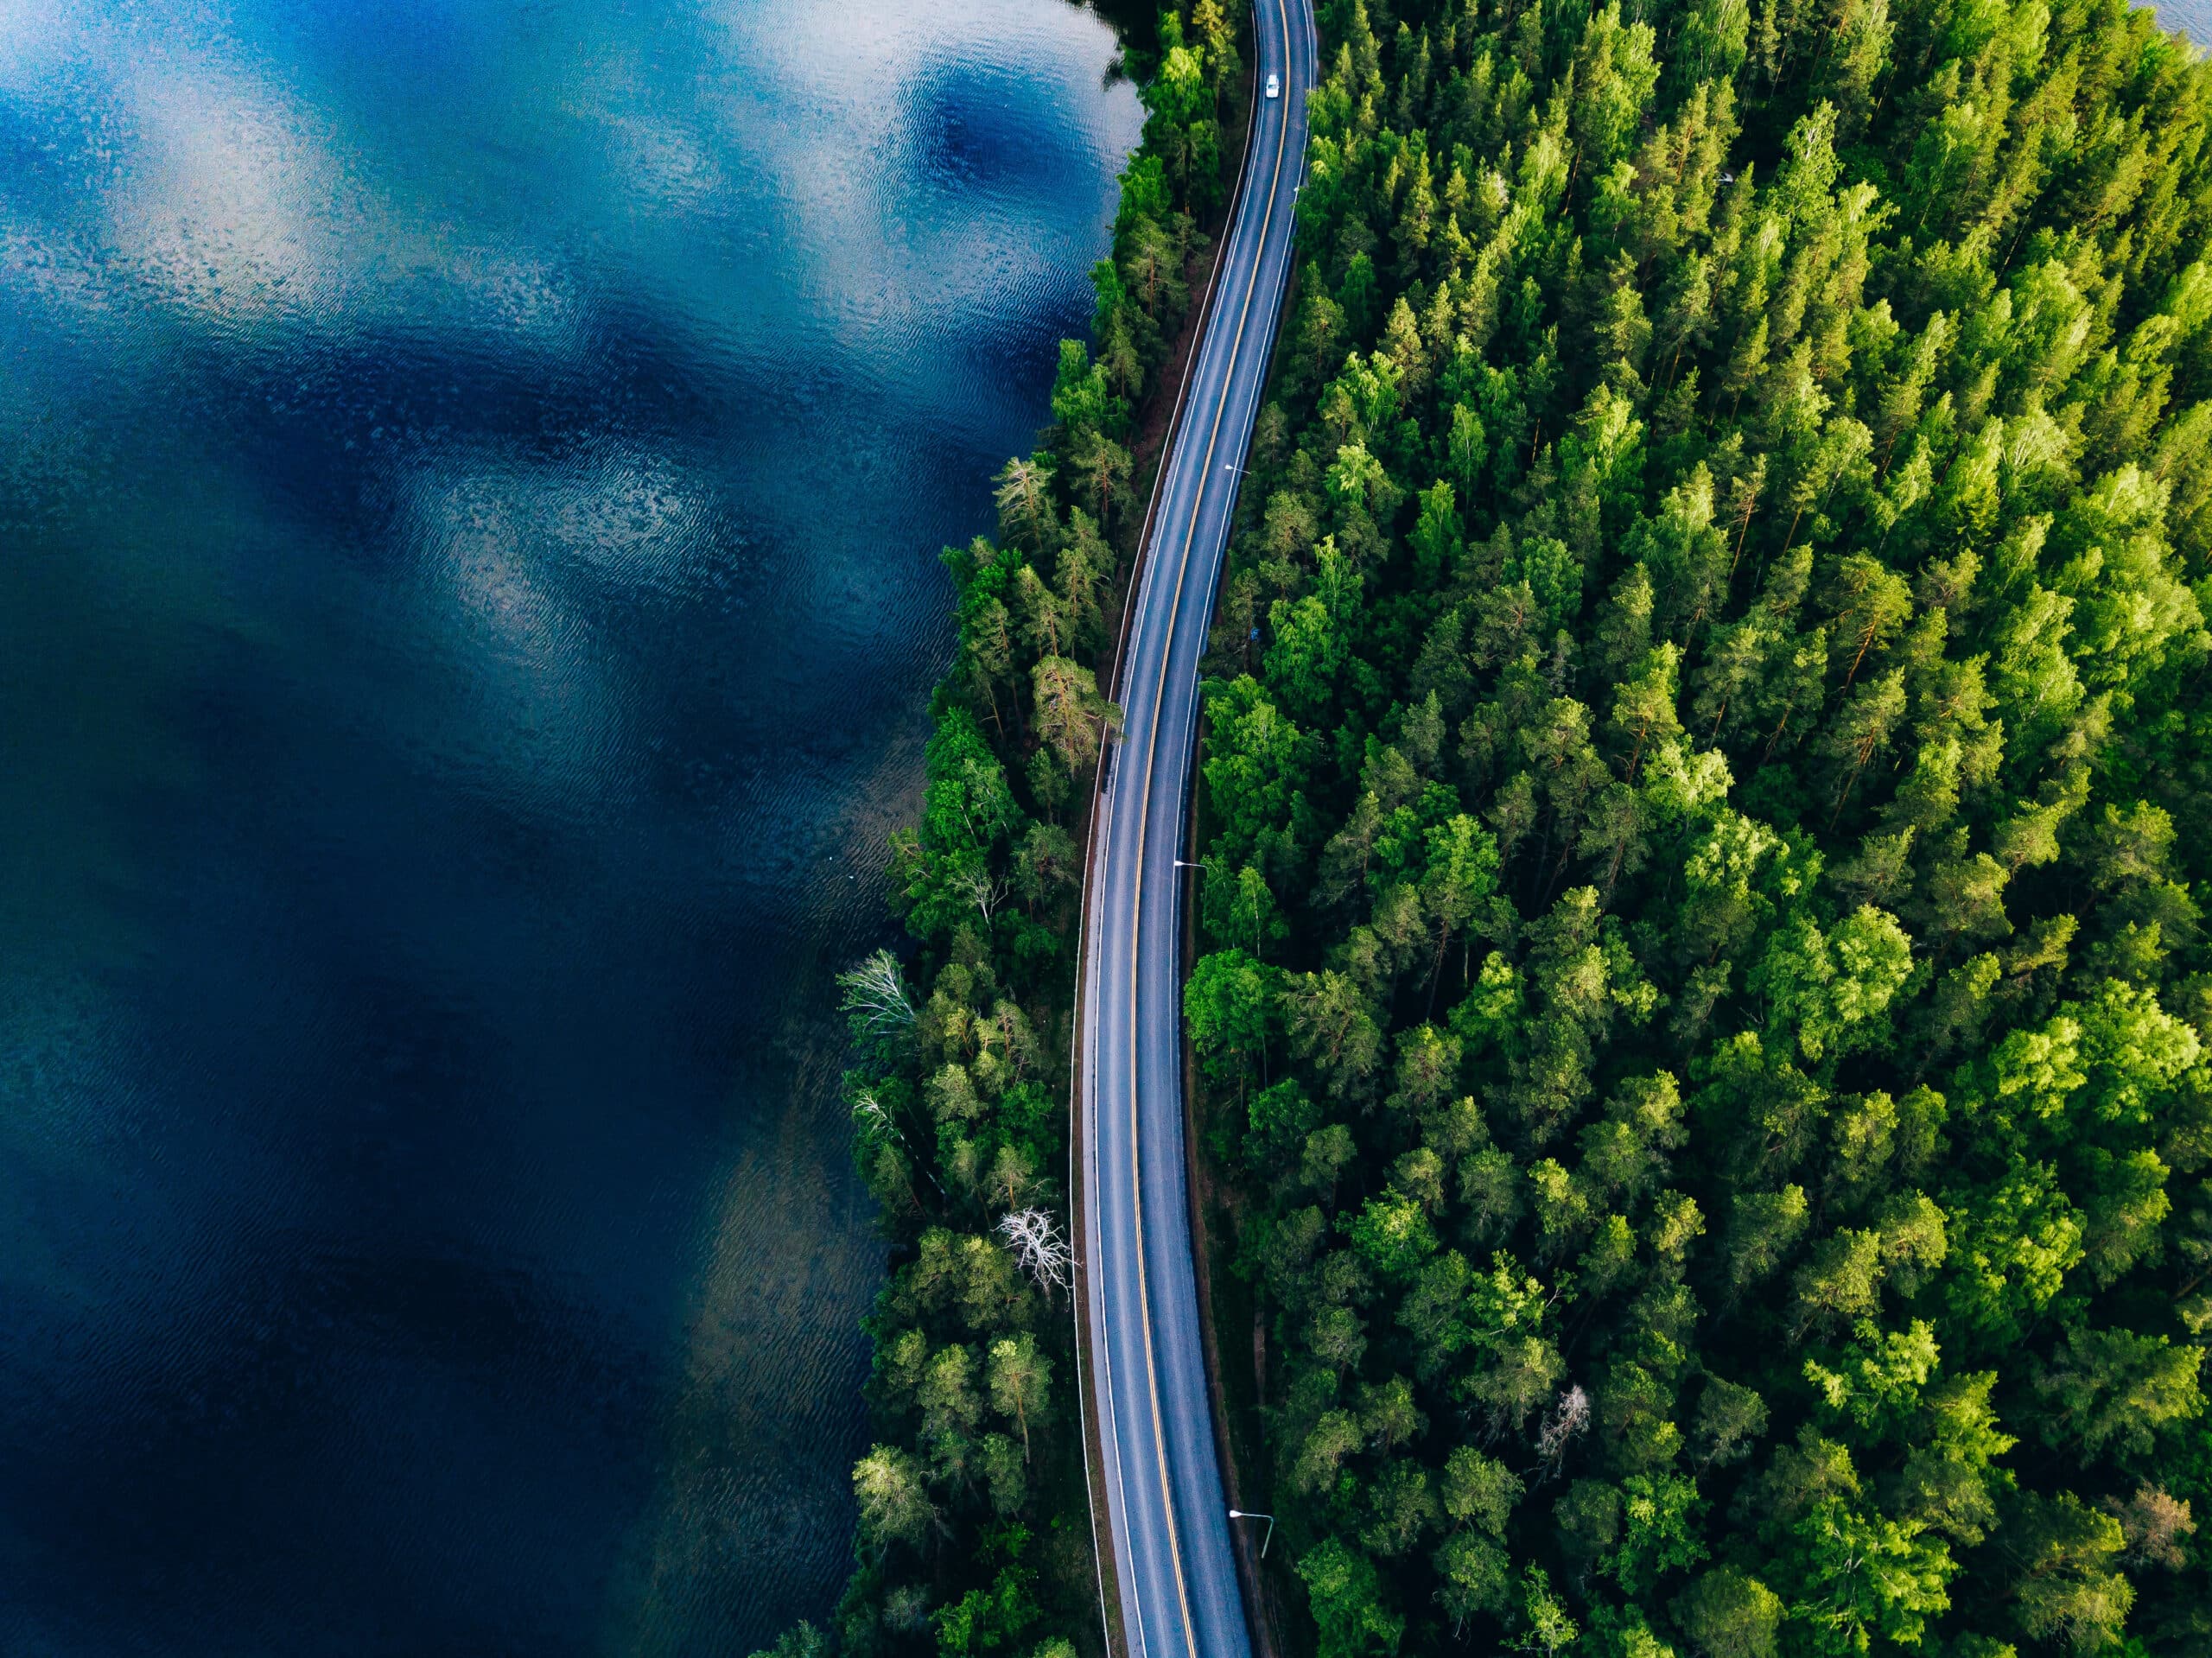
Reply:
x=471, y=477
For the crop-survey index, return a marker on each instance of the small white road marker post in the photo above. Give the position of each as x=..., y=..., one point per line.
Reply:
x=1239, y=1514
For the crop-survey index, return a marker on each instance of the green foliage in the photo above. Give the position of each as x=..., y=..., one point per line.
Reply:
x=1727, y=1614
x=973, y=1533
x=1348, y=1620
x=1228, y=1007
x=1708, y=797
x=802, y=1641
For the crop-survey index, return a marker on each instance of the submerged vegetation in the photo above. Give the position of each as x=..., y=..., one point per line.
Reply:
x=1704, y=798
x=974, y=1528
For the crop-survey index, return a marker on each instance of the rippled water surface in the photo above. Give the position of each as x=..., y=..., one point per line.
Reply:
x=470, y=484
x=2190, y=17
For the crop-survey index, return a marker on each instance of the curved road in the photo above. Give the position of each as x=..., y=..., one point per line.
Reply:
x=1168, y=1519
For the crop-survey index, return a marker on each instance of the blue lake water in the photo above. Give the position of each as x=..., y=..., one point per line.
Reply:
x=471, y=477
x=2189, y=17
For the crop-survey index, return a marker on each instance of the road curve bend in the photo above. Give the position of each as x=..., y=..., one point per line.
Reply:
x=1166, y=1515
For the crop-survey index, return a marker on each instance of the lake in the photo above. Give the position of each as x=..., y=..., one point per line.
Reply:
x=470, y=488
x=2189, y=17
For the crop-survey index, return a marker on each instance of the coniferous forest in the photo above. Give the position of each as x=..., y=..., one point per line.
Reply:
x=1704, y=798
x=1705, y=789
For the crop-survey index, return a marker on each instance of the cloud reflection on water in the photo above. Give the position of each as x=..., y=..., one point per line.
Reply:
x=471, y=474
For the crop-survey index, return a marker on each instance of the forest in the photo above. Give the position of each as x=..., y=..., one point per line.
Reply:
x=1703, y=798
x=1706, y=786
x=973, y=1533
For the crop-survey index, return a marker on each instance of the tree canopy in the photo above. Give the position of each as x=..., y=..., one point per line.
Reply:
x=1705, y=782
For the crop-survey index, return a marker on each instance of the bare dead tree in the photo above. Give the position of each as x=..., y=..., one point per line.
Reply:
x=1566, y=1418
x=868, y=1111
x=1038, y=1246
x=982, y=889
x=874, y=994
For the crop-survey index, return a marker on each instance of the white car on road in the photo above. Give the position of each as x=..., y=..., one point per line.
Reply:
x=1275, y=87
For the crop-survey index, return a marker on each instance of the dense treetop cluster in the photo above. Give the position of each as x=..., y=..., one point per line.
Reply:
x=1705, y=797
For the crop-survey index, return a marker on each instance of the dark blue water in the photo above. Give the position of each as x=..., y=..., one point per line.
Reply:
x=471, y=475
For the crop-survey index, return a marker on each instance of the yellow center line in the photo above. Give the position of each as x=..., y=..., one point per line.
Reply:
x=1144, y=813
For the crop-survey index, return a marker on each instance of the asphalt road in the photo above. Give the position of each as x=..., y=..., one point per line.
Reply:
x=1168, y=1516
